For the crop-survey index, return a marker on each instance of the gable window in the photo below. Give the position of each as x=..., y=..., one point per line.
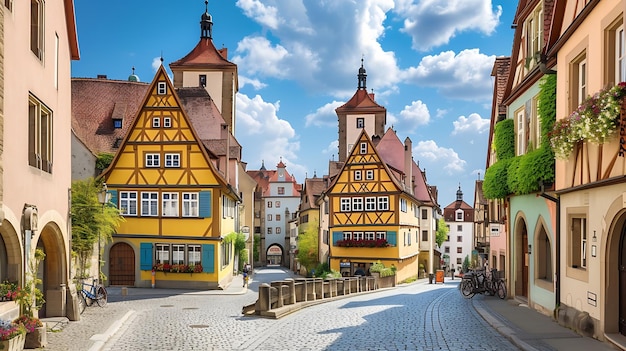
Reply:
x=202, y=80
x=383, y=203
x=190, y=204
x=369, y=174
x=345, y=204
x=161, y=88
x=149, y=204
x=363, y=148
x=40, y=144
x=281, y=190
x=360, y=123
x=578, y=238
x=357, y=204
x=357, y=175
x=170, y=204
x=153, y=160
x=36, y=27
x=172, y=160
x=459, y=216
x=156, y=122
x=370, y=204
x=167, y=122
x=117, y=123
x=128, y=203
x=163, y=253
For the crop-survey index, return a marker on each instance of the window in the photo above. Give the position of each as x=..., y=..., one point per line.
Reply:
x=40, y=145
x=447, y=237
x=228, y=207
x=578, y=232
x=357, y=204
x=459, y=216
x=178, y=254
x=269, y=204
x=128, y=203
x=459, y=260
x=163, y=253
x=347, y=235
x=153, y=160
x=459, y=228
x=459, y=239
x=202, y=80
x=383, y=203
x=269, y=217
x=360, y=123
x=281, y=190
x=172, y=160
x=534, y=36
x=227, y=250
x=170, y=204
x=363, y=148
x=424, y=214
x=194, y=255
x=381, y=235
x=370, y=235
x=446, y=249
x=8, y=4
x=156, y=122
x=620, y=65
x=521, y=134
x=370, y=204
x=277, y=204
x=278, y=230
x=403, y=205
x=269, y=230
x=149, y=203
x=278, y=217
x=345, y=204
x=459, y=250
x=161, y=88
x=424, y=235
x=190, y=204
x=117, y=123
x=357, y=235
x=36, y=28
x=369, y=174
x=358, y=175
x=579, y=81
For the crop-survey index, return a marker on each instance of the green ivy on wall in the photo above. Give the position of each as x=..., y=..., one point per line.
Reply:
x=504, y=139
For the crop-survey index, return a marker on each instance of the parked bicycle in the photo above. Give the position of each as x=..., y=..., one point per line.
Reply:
x=90, y=293
x=482, y=282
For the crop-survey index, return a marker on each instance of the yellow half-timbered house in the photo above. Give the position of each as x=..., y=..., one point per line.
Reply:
x=178, y=207
x=371, y=215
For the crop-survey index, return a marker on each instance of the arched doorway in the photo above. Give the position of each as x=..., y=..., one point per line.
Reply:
x=275, y=255
x=522, y=259
x=52, y=271
x=122, y=265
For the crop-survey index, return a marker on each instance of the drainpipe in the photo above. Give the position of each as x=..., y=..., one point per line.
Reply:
x=557, y=286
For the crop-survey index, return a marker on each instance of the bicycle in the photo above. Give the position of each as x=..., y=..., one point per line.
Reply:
x=245, y=279
x=481, y=282
x=90, y=293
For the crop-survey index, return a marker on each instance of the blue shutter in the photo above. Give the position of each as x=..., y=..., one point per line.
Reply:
x=204, y=210
x=113, y=200
x=337, y=236
x=208, y=258
x=145, y=256
x=392, y=238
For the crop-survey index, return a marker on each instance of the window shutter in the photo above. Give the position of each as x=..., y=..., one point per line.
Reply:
x=208, y=258
x=337, y=236
x=145, y=254
x=114, y=200
x=392, y=238
x=204, y=210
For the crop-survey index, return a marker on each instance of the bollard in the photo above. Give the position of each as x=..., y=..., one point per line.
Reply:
x=125, y=291
x=153, y=278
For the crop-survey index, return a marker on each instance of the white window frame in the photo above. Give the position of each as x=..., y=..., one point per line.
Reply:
x=582, y=80
x=383, y=203
x=167, y=122
x=190, y=204
x=358, y=175
x=381, y=235
x=153, y=160
x=162, y=253
x=360, y=123
x=347, y=235
x=403, y=205
x=161, y=88
x=357, y=204
x=194, y=255
x=149, y=203
x=357, y=235
x=128, y=203
x=363, y=148
x=172, y=160
x=620, y=52
x=520, y=117
x=370, y=203
x=178, y=254
x=345, y=204
x=370, y=236
x=170, y=204
x=369, y=174
x=156, y=122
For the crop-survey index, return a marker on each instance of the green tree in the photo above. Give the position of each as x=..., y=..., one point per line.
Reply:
x=256, y=254
x=239, y=245
x=90, y=221
x=308, y=246
x=466, y=263
x=442, y=232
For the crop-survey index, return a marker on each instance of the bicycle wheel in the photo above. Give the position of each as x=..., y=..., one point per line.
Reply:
x=501, y=290
x=82, y=303
x=101, y=296
x=467, y=288
x=490, y=288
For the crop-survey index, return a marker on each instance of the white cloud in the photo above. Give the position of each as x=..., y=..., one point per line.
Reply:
x=255, y=83
x=436, y=155
x=266, y=15
x=463, y=76
x=324, y=116
x=432, y=23
x=472, y=124
x=415, y=115
x=333, y=148
x=156, y=63
x=441, y=112
x=262, y=58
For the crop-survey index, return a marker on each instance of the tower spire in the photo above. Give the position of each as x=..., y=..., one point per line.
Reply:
x=362, y=77
x=206, y=23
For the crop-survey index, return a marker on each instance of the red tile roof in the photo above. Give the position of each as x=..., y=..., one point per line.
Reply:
x=204, y=53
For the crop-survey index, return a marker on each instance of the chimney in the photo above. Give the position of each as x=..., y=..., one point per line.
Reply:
x=408, y=165
x=102, y=76
x=225, y=135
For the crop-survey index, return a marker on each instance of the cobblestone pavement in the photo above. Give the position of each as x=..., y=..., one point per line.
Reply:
x=410, y=317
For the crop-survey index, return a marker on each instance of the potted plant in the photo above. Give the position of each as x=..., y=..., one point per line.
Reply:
x=11, y=336
x=31, y=299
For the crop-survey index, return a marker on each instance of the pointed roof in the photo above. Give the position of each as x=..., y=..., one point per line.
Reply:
x=311, y=191
x=361, y=98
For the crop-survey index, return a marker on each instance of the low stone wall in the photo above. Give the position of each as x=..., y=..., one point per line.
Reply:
x=285, y=296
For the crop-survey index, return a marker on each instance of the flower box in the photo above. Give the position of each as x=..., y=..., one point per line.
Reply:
x=362, y=243
x=14, y=344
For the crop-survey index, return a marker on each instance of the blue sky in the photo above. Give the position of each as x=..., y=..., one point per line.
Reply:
x=428, y=62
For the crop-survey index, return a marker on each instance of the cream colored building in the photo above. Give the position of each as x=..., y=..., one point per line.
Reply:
x=39, y=40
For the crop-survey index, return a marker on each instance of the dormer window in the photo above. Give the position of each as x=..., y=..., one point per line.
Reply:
x=117, y=123
x=459, y=215
x=202, y=81
x=161, y=88
x=363, y=148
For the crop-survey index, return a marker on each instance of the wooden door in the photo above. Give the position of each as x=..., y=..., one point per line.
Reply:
x=525, y=263
x=122, y=265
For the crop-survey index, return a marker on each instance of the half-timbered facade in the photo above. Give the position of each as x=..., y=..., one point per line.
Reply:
x=590, y=179
x=177, y=207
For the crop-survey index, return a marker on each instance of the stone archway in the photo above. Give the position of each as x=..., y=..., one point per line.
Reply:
x=615, y=268
x=10, y=254
x=52, y=271
x=275, y=255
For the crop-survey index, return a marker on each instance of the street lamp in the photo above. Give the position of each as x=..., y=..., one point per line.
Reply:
x=103, y=199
